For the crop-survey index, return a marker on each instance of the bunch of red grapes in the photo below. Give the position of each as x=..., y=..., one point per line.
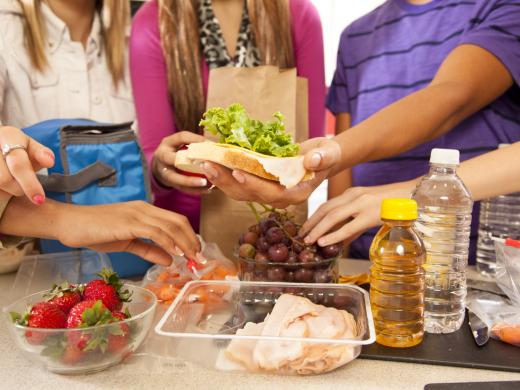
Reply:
x=272, y=250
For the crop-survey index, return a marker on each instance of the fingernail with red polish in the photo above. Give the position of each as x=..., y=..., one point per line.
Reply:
x=38, y=199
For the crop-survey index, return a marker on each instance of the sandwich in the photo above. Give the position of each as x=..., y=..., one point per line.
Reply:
x=263, y=149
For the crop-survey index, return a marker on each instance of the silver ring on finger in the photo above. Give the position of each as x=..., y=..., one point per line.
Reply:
x=7, y=148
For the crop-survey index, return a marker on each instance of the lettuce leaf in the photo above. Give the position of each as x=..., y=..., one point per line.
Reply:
x=234, y=126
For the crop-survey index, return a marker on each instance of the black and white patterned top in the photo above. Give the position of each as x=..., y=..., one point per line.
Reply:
x=213, y=44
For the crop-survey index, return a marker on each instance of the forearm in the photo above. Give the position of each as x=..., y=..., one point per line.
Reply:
x=399, y=127
x=339, y=183
x=469, y=79
x=492, y=174
x=24, y=219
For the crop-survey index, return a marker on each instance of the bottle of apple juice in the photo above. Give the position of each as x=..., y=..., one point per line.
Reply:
x=397, y=276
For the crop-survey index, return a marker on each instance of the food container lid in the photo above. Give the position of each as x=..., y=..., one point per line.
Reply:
x=243, y=302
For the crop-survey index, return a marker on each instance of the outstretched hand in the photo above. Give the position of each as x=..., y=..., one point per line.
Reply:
x=347, y=216
x=321, y=155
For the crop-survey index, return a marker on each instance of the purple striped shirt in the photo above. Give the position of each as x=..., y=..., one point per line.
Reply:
x=396, y=50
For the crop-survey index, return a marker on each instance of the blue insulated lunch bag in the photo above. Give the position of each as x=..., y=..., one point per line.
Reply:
x=96, y=163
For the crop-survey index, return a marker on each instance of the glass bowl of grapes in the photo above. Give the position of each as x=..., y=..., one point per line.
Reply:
x=271, y=250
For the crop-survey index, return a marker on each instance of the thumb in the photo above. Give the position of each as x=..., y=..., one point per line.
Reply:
x=323, y=157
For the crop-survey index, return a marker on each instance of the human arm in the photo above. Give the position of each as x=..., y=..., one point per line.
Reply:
x=488, y=175
x=107, y=228
x=474, y=74
x=492, y=174
x=469, y=79
x=459, y=89
x=339, y=183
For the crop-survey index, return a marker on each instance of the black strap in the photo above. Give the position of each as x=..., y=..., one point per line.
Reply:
x=56, y=182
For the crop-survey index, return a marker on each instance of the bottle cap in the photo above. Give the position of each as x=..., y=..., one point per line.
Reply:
x=445, y=156
x=399, y=209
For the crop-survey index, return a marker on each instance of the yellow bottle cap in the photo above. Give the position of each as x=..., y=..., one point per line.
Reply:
x=399, y=209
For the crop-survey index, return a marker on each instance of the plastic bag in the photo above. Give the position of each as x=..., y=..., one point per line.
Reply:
x=500, y=314
x=166, y=282
x=501, y=317
x=508, y=271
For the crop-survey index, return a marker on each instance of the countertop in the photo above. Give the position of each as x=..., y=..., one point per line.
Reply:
x=145, y=373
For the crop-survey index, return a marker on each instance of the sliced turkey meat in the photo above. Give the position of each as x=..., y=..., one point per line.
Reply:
x=296, y=317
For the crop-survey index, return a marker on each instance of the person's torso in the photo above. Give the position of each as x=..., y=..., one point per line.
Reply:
x=77, y=83
x=397, y=50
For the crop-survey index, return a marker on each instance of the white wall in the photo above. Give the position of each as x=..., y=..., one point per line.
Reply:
x=335, y=16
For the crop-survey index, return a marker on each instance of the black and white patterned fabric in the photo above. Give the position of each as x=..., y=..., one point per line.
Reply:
x=213, y=44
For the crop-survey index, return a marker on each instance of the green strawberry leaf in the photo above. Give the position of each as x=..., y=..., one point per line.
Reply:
x=21, y=319
x=127, y=313
x=52, y=351
x=15, y=317
x=54, y=346
x=58, y=290
x=116, y=331
x=110, y=277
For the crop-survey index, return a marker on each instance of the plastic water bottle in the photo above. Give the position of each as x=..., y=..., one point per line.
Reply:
x=397, y=276
x=499, y=217
x=444, y=224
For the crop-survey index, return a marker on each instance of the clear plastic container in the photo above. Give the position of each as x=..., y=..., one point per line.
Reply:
x=38, y=272
x=499, y=217
x=324, y=271
x=397, y=276
x=444, y=223
x=206, y=315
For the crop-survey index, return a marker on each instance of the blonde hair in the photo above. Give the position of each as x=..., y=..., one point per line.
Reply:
x=179, y=29
x=115, y=18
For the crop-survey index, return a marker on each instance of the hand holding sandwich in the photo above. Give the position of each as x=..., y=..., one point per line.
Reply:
x=258, y=160
x=321, y=156
x=163, y=162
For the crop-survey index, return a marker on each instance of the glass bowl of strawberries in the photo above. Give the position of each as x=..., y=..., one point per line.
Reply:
x=83, y=328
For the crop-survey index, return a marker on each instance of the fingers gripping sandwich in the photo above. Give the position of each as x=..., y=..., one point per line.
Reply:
x=261, y=148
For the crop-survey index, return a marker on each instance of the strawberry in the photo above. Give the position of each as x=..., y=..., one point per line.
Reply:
x=118, y=337
x=42, y=315
x=86, y=314
x=65, y=296
x=108, y=290
x=71, y=355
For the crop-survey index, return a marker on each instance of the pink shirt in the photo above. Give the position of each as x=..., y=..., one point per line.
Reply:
x=155, y=114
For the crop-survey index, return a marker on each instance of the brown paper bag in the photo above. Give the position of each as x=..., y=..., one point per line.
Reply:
x=262, y=91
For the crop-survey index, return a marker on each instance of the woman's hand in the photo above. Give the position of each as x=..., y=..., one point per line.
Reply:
x=321, y=154
x=347, y=216
x=163, y=164
x=121, y=227
x=18, y=167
